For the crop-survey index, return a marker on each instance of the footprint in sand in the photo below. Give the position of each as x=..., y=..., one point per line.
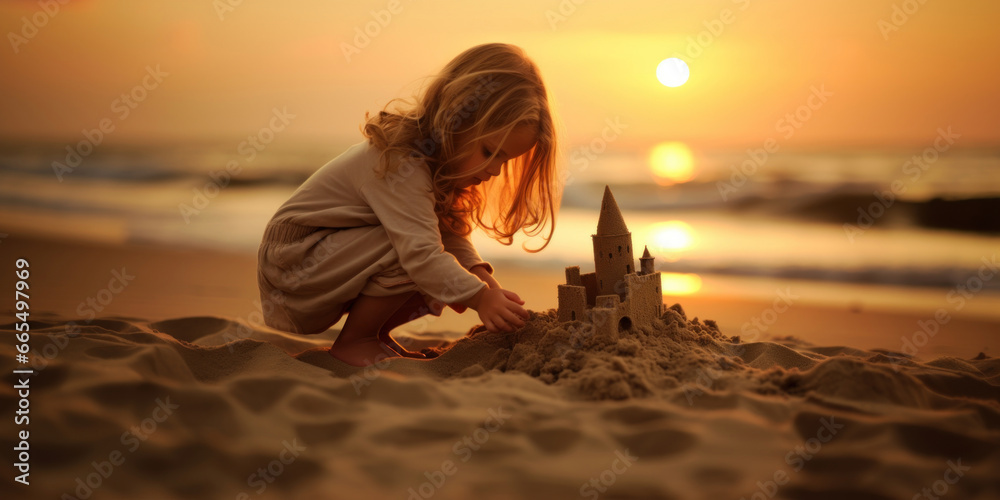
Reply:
x=716, y=476
x=418, y=434
x=114, y=351
x=634, y=414
x=657, y=443
x=213, y=414
x=554, y=439
x=313, y=403
x=853, y=465
x=113, y=325
x=259, y=394
x=325, y=434
x=193, y=328
x=135, y=395
x=928, y=440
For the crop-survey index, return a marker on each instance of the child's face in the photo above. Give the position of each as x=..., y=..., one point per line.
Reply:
x=519, y=142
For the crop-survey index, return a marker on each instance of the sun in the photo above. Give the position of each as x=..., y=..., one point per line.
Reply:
x=672, y=72
x=671, y=163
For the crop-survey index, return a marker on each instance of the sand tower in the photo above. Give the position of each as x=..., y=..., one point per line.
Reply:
x=613, y=298
x=612, y=248
x=646, y=262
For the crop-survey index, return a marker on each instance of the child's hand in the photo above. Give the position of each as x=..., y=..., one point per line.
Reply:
x=500, y=309
x=513, y=296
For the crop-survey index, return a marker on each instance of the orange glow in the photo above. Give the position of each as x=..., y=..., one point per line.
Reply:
x=330, y=62
x=669, y=239
x=671, y=163
x=681, y=283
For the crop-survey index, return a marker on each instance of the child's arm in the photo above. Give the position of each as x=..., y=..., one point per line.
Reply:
x=483, y=274
x=403, y=205
x=498, y=308
x=463, y=250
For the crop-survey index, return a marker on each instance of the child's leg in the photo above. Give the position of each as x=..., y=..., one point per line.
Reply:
x=358, y=343
x=412, y=309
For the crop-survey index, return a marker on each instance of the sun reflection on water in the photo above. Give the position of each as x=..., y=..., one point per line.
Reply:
x=680, y=283
x=669, y=239
x=671, y=163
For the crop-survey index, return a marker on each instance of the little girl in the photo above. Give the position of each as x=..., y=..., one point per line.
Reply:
x=381, y=232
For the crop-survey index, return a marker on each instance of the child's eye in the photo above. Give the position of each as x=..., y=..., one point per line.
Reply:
x=487, y=153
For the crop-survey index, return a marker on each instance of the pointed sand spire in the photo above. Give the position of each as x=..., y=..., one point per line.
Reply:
x=611, y=221
x=645, y=252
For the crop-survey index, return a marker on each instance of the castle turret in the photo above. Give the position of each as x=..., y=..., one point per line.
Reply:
x=646, y=264
x=612, y=248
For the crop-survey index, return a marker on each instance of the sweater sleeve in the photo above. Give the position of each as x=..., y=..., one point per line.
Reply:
x=463, y=250
x=404, y=205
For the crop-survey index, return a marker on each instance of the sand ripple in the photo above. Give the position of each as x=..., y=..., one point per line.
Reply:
x=207, y=407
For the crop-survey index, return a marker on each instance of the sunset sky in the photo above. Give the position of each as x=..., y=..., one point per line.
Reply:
x=892, y=78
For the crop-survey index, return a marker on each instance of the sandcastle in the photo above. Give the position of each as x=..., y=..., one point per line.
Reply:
x=615, y=297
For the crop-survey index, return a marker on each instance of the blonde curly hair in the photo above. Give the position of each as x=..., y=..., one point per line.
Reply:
x=487, y=89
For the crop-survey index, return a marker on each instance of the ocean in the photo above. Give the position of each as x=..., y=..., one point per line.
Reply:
x=900, y=217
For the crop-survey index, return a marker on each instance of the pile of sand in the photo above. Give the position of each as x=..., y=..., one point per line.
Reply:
x=681, y=359
x=636, y=363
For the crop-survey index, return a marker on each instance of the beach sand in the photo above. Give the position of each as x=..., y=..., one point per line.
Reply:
x=175, y=390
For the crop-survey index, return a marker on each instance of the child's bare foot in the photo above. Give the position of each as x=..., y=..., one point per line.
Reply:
x=362, y=352
x=397, y=348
